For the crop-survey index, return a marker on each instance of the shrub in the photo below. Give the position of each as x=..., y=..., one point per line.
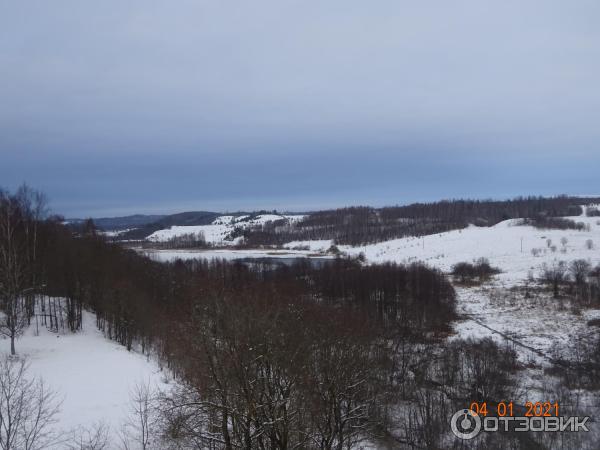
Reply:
x=593, y=212
x=334, y=250
x=480, y=270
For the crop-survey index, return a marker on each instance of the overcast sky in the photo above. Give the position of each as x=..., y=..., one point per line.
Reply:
x=116, y=107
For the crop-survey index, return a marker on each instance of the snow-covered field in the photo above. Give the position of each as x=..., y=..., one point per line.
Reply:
x=91, y=374
x=219, y=231
x=501, y=244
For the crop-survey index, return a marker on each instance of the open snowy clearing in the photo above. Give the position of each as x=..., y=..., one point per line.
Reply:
x=91, y=374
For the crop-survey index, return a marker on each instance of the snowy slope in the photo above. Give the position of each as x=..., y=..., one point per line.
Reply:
x=501, y=244
x=218, y=232
x=215, y=234
x=93, y=375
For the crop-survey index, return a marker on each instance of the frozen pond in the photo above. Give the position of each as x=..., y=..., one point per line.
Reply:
x=276, y=257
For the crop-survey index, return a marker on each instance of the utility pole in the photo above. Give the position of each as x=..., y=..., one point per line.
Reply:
x=521, y=245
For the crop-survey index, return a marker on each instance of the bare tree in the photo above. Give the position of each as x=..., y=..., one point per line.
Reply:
x=28, y=408
x=14, y=270
x=344, y=394
x=580, y=269
x=555, y=274
x=142, y=418
x=94, y=438
x=33, y=206
x=426, y=420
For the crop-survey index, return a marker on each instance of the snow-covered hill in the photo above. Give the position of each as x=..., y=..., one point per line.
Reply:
x=219, y=232
x=515, y=249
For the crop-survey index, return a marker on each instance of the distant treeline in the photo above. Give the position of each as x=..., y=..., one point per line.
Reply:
x=181, y=219
x=593, y=212
x=555, y=223
x=363, y=225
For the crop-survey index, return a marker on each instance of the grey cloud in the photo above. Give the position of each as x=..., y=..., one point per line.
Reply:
x=259, y=86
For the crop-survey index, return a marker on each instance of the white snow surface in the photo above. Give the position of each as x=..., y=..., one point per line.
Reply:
x=213, y=234
x=91, y=374
x=217, y=233
x=501, y=244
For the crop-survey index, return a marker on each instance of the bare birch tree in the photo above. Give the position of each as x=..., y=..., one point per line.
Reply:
x=14, y=270
x=28, y=408
x=140, y=427
x=93, y=438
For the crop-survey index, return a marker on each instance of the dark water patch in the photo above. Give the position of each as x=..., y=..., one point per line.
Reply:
x=280, y=262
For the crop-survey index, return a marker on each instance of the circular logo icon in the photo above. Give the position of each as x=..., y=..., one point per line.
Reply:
x=465, y=424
